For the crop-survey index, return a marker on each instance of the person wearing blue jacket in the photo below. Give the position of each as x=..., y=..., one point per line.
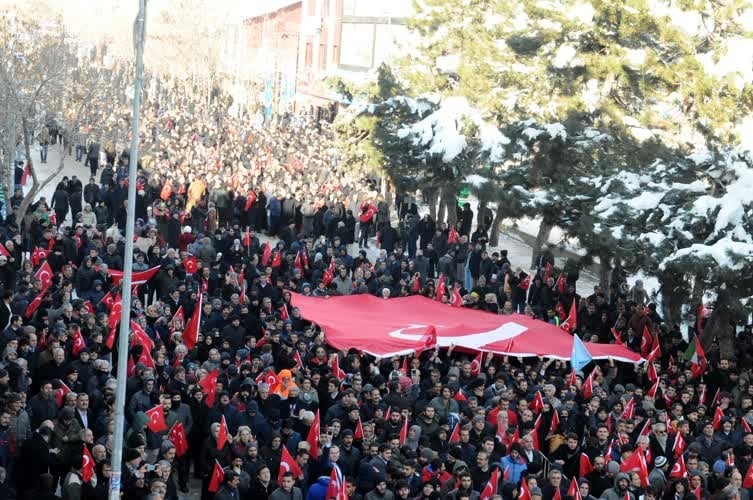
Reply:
x=318, y=490
x=513, y=465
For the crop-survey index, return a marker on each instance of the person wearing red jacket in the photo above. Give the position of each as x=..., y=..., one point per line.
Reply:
x=368, y=211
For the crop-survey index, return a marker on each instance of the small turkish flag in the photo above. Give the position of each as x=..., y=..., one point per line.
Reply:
x=44, y=274
x=79, y=344
x=678, y=469
x=156, y=417
x=61, y=392
x=538, y=402
x=191, y=264
x=490, y=490
x=455, y=436
x=178, y=438
x=313, y=436
x=476, y=364
x=574, y=490
x=34, y=304
x=209, y=386
x=287, y=464
x=748, y=481
x=87, y=464
x=358, y=433
x=222, y=434
x=456, y=300
x=404, y=432
x=718, y=416
x=585, y=466
x=217, y=476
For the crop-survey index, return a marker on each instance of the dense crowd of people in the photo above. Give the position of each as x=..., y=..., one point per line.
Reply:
x=230, y=385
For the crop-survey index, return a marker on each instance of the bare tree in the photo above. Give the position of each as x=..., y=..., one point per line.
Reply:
x=41, y=79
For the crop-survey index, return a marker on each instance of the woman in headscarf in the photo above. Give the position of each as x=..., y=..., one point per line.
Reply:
x=284, y=385
x=414, y=436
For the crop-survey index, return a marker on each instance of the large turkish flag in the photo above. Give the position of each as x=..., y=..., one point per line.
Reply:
x=399, y=326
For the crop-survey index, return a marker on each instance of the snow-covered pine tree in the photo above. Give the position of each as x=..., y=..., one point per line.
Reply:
x=689, y=221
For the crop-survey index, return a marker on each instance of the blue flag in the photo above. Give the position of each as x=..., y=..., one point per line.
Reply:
x=580, y=356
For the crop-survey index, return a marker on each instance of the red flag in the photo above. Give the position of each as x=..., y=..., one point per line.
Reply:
x=79, y=344
x=179, y=439
x=298, y=263
x=209, y=386
x=547, y=272
x=476, y=364
x=34, y=304
x=298, y=360
x=108, y=300
x=653, y=390
x=276, y=260
x=457, y=299
x=114, y=317
x=698, y=492
x=748, y=480
x=222, y=434
x=247, y=238
x=646, y=428
x=702, y=397
x=336, y=488
x=61, y=392
x=678, y=469
x=4, y=251
x=627, y=413
x=700, y=315
x=585, y=466
x=191, y=331
x=404, y=432
x=525, y=492
x=718, y=416
x=43, y=274
x=617, y=337
x=745, y=425
x=459, y=395
x=574, y=490
x=560, y=285
x=26, y=173
x=334, y=363
x=313, y=436
x=647, y=342
x=636, y=462
x=37, y=255
x=490, y=489
x=525, y=283
x=191, y=264
x=651, y=373
x=453, y=237
x=416, y=286
x=329, y=273
x=89, y=306
x=358, y=433
x=717, y=397
x=266, y=254
x=87, y=464
x=156, y=417
x=588, y=385
x=680, y=445
x=284, y=312
x=250, y=199
x=655, y=352
x=572, y=379
x=217, y=476
x=538, y=402
x=557, y=495
x=287, y=464
x=137, y=278
x=140, y=337
x=455, y=436
x=441, y=290
x=554, y=426
x=571, y=323
x=268, y=377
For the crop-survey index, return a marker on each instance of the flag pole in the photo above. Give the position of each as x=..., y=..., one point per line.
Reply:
x=120, y=395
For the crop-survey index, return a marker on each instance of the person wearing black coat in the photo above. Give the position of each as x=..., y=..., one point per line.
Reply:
x=91, y=192
x=35, y=459
x=60, y=203
x=75, y=193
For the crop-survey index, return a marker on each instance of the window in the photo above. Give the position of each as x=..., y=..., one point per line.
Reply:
x=356, y=45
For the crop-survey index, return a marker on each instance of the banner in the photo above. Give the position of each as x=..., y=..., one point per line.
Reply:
x=398, y=326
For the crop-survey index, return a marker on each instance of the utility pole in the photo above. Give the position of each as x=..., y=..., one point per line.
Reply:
x=125, y=316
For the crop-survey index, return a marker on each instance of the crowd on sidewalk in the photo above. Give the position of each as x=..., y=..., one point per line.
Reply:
x=229, y=383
